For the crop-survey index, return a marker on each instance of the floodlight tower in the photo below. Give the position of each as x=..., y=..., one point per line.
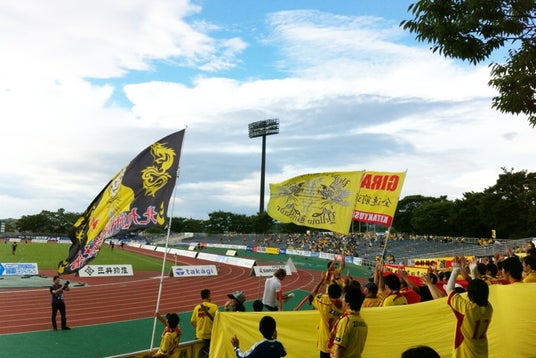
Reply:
x=262, y=129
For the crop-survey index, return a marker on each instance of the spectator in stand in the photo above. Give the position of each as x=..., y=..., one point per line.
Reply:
x=370, y=290
x=512, y=269
x=236, y=302
x=529, y=269
x=473, y=315
x=330, y=307
x=273, y=291
x=350, y=330
x=202, y=319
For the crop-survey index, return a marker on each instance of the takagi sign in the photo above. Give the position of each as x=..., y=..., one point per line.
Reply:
x=193, y=271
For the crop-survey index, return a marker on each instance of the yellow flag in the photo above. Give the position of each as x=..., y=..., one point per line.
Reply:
x=378, y=197
x=320, y=200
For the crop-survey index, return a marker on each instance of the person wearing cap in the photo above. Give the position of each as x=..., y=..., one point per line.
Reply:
x=370, y=290
x=272, y=290
x=236, y=302
x=170, y=337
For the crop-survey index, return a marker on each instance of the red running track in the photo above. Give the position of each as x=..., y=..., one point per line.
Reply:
x=115, y=299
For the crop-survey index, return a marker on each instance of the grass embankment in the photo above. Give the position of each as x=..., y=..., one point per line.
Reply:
x=47, y=256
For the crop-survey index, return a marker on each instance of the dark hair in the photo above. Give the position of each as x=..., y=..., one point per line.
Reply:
x=530, y=261
x=392, y=281
x=173, y=320
x=420, y=352
x=433, y=278
x=492, y=268
x=478, y=292
x=513, y=266
x=205, y=293
x=334, y=291
x=354, y=297
x=55, y=277
x=267, y=327
x=531, y=252
x=481, y=268
x=257, y=305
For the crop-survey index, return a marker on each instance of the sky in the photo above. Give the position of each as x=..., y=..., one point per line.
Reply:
x=87, y=85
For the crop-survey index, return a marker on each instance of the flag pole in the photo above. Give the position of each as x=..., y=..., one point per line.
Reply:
x=163, y=270
x=165, y=257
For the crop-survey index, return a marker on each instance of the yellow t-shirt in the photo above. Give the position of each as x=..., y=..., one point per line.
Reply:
x=201, y=320
x=371, y=302
x=351, y=333
x=531, y=277
x=470, y=339
x=168, y=345
x=329, y=313
x=394, y=299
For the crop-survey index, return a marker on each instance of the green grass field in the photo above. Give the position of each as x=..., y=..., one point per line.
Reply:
x=47, y=256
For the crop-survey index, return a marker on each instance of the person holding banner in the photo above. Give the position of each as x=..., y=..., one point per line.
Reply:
x=273, y=292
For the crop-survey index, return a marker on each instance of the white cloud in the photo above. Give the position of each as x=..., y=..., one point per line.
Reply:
x=351, y=93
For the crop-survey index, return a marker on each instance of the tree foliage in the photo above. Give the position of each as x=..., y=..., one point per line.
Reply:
x=472, y=30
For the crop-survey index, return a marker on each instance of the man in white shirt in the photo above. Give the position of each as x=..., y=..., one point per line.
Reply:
x=272, y=290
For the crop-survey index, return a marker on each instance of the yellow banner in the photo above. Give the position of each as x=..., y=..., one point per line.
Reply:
x=321, y=200
x=378, y=197
x=430, y=323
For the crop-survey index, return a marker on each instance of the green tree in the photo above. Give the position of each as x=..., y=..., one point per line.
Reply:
x=404, y=212
x=510, y=204
x=472, y=30
x=47, y=222
x=434, y=217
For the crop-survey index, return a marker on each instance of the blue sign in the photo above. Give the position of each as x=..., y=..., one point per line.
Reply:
x=1, y=269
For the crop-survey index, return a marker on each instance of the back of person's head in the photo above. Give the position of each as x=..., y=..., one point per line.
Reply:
x=334, y=291
x=267, y=327
x=420, y=352
x=372, y=288
x=492, y=269
x=354, y=297
x=392, y=281
x=280, y=273
x=531, y=252
x=530, y=261
x=205, y=294
x=478, y=292
x=257, y=305
x=173, y=320
x=513, y=267
x=433, y=277
x=481, y=268
x=329, y=264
